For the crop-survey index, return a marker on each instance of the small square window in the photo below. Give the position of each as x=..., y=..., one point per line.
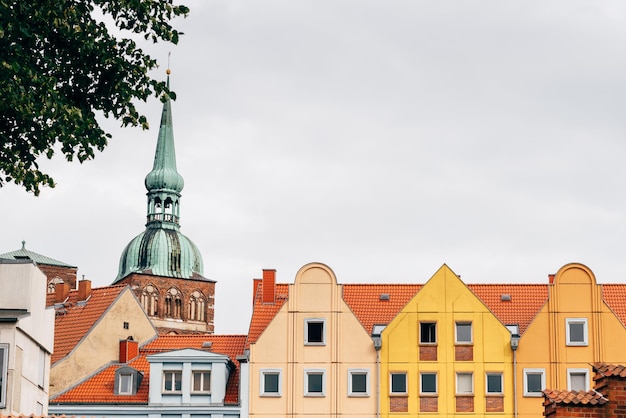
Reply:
x=494, y=384
x=398, y=383
x=428, y=383
x=428, y=332
x=463, y=332
x=576, y=331
x=172, y=381
x=464, y=383
x=314, y=332
x=534, y=381
x=270, y=382
x=578, y=379
x=314, y=383
x=201, y=381
x=358, y=383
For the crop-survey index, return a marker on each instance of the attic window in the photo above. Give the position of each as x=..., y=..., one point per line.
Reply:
x=505, y=297
x=127, y=381
x=384, y=296
x=22, y=257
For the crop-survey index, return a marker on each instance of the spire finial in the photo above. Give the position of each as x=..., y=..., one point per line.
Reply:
x=168, y=71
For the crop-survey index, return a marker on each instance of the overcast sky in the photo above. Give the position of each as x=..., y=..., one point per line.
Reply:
x=383, y=138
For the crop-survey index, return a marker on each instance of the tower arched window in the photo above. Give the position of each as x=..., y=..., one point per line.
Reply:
x=173, y=303
x=197, y=305
x=150, y=300
x=53, y=284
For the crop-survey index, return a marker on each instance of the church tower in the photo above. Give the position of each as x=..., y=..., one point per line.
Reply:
x=163, y=267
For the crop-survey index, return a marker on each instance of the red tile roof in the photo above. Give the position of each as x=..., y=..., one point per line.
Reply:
x=606, y=370
x=615, y=297
x=263, y=313
x=365, y=301
x=98, y=389
x=580, y=398
x=73, y=320
x=526, y=300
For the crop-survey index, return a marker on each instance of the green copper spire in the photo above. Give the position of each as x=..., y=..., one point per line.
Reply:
x=162, y=250
x=164, y=183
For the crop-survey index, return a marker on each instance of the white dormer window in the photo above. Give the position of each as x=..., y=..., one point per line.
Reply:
x=201, y=381
x=172, y=381
x=127, y=381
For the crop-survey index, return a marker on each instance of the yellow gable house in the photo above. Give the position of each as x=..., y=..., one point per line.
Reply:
x=580, y=324
x=445, y=353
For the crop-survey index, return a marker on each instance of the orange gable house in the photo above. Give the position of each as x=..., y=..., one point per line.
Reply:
x=89, y=324
x=310, y=344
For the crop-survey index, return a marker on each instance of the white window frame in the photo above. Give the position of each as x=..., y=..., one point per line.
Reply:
x=471, y=375
x=171, y=373
x=4, y=368
x=487, y=374
x=543, y=382
x=577, y=371
x=359, y=372
x=422, y=342
x=422, y=384
x=308, y=321
x=203, y=383
x=456, y=332
x=406, y=383
x=265, y=372
x=572, y=321
x=120, y=386
x=310, y=372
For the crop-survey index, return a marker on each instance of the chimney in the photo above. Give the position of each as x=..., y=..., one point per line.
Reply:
x=129, y=349
x=269, y=286
x=61, y=290
x=551, y=278
x=84, y=289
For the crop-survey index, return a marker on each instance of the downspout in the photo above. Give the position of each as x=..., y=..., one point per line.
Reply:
x=377, y=346
x=514, y=345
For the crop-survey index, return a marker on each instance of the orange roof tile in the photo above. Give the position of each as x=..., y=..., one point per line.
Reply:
x=263, y=313
x=98, y=389
x=526, y=301
x=615, y=297
x=580, y=398
x=365, y=302
x=73, y=321
x=606, y=370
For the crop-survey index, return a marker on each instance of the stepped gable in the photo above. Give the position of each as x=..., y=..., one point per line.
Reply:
x=371, y=308
x=522, y=305
x=98, y=389
x=74, y=318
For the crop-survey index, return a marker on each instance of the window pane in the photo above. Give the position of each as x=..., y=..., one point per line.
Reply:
x=197, y=382
x=398, y=383
x=577, y=332
x=464, y=382
x=464, y=332
x=494, y=383
x=315, y=332
x=429, y=382
x=578, y=381
x=126, y=383
x=178, y=380
x=359, y=382
x=315, y=382
x=428, y=332
x=270, y=381
x=533, y=381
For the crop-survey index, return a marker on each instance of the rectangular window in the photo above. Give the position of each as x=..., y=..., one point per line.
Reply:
x=314, y=332
x=494, y=384
x=464, y=383
x=314, y=383
x=534, y=381
x=125, y=384
x=398, y=383
x=4, y=360
x=578, y=379
x=201, y=381
x=172, y=381
x=463, y=332
x=358, y=382
x=428, y=383
x=428, y=332
x=41, y=369
x=270, y=382
x=576, y=331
